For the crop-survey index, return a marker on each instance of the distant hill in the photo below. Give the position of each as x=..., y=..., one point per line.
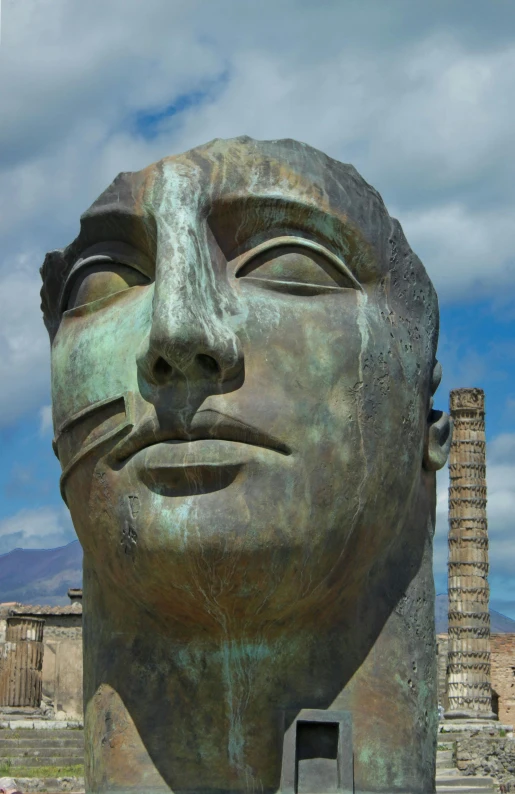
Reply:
x=40, y=576
x=499, y=624
x=43, y=576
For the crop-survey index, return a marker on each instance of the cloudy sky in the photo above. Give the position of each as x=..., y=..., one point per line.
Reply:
x=418, y=96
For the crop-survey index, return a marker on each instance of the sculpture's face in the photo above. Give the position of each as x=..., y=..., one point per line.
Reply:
x=241, y=379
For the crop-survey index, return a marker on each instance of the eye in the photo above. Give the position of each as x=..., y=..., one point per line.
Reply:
x=93, y=282
x=302, y=267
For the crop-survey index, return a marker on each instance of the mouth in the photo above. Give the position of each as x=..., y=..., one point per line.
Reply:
x=183, y=445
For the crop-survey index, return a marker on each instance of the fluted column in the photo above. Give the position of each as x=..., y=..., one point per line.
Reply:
x=468, y=682
x=21, y=662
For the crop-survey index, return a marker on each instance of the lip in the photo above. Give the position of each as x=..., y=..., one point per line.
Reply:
x=183, y=444
x=177, y=468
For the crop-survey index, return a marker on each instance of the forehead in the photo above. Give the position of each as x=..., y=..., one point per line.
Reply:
x=242, y=184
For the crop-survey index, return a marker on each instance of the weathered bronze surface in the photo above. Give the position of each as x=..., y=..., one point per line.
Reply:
x=243, y=363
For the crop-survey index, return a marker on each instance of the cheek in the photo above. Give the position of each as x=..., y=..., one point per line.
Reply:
x=334, y=376
x=306, y=344
x=308, y=372
x=390, y=408
x=93, y=357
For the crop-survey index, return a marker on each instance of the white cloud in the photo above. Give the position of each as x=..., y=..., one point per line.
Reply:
x=41, y=528
x=45, y=417
x=25, y=360
x=421, y=113
x=469, y=253
x=450, y=115
x=502, y=450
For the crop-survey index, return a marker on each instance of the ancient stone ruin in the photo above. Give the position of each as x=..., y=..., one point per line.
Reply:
x=469, y=685
x=21, y=662
x=54, y=659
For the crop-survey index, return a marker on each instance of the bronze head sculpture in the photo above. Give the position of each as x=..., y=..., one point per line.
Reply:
x=243, y=364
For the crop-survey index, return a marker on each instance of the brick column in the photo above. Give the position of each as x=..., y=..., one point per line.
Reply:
x=468, y=682
x=21, y=662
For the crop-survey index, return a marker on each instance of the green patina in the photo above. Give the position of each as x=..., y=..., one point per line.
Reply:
x=248, y=355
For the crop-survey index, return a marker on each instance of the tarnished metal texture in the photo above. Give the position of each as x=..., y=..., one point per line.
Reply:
x=468, y=668
x=243, y=370
x=21, y=662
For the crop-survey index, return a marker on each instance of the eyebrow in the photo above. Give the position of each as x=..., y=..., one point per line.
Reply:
x=114, y=222
x=234, y=218
x=111, y=217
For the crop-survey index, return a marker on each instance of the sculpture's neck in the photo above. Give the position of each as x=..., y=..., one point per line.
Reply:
x=219, y=705
x=169, y=710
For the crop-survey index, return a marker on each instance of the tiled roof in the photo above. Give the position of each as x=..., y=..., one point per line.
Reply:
x=6, y=606
x=40, y=611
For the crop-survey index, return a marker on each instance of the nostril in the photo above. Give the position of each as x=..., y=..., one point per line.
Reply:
x=208, y=364
x=162, y=370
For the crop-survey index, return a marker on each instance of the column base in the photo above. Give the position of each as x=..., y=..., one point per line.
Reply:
x=470, y=715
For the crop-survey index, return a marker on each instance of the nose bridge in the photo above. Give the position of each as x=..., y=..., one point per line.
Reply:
x=187, y=316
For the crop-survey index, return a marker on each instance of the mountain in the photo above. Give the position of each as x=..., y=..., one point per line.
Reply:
x=40, y=576
x=499, y=624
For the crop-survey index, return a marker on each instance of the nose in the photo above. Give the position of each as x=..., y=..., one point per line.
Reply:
x=191, y=335
x=191, y=347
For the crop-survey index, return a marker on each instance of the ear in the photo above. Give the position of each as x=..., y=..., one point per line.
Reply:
x=439, y=430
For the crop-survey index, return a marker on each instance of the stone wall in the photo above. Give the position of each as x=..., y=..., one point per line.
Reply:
x=67, y=628
x=21, y=658
x=503, y=675
x=62, y=654
x=489, y=755
x=62, y=676
x=502, y=650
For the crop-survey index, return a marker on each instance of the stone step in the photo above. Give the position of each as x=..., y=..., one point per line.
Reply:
x=37, y=752
x=34, y=733
x=463, y=784
x=7, y=745
x=452, y=771
x=51, y=785
x=41, y=725
x=445, y=755
x=473, y=780
x=44, y=760
x=455, y=789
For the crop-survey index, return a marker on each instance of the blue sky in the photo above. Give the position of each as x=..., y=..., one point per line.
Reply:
x=418, y=96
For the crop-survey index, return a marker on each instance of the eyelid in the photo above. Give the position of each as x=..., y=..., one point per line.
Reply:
x=96, y=259
x=302, y=242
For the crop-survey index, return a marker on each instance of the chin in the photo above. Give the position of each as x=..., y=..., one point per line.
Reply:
x=218, y=582
x=209, y=579
x=233, y=558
